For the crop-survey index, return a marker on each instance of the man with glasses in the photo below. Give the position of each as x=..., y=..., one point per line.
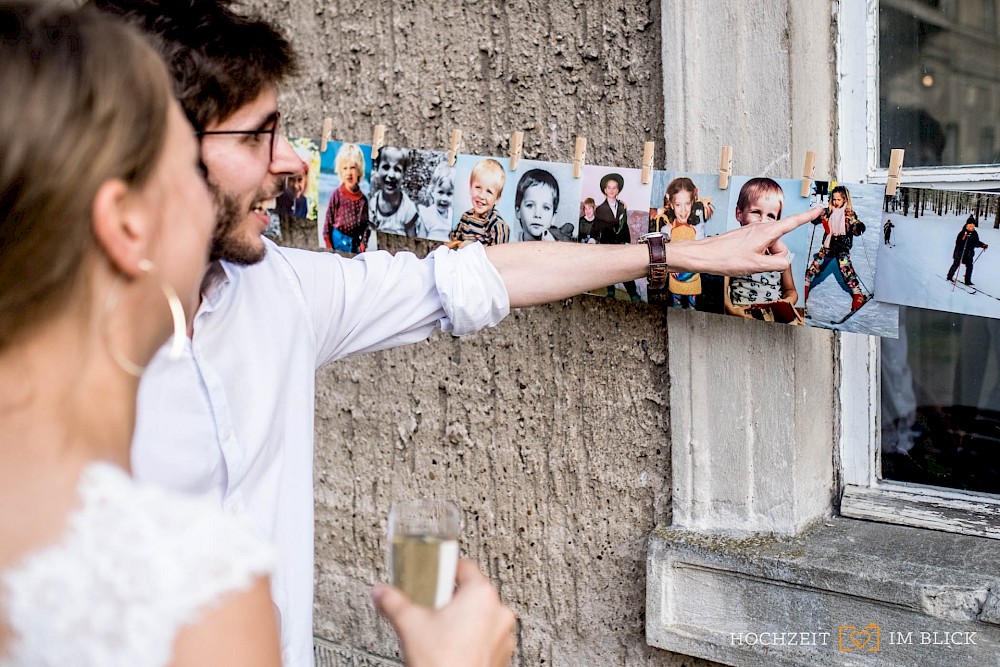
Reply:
x=233, y=418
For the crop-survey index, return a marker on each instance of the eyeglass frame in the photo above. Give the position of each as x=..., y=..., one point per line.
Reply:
x=273, y=132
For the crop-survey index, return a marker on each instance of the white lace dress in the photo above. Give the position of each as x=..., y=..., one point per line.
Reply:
x=135, y=564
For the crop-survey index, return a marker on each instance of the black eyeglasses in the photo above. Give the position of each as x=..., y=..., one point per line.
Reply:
x=273, y=131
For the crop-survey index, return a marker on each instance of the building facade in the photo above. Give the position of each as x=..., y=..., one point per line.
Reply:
x=646, y=487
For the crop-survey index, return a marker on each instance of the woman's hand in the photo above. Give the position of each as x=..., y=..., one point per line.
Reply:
x=473, y=630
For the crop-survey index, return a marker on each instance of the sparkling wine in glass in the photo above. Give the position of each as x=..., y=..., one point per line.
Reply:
x=423, y=550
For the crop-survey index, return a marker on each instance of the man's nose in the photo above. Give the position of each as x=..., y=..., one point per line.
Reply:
x=286, y=160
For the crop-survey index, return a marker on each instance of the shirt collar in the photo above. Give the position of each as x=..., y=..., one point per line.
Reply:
x=214, y=285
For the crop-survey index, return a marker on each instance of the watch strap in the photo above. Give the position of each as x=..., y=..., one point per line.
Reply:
x=658, y=269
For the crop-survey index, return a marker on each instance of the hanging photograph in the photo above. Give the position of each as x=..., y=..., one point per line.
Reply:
x=343, y=196
x=399, y=181
x=935, y=251
x=688, y=207
x=483, y=188
x=621, y=215
x=545, y=202
x=770, y=296
x=298, y=201
x=435, y=210
x=842, y=259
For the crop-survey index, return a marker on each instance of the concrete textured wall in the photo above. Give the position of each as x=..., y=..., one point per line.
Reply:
x=551, y=431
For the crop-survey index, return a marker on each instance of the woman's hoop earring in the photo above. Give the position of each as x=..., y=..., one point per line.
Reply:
x=176, y=312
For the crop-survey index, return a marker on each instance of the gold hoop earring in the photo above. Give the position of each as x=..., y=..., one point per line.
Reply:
x=176, y=310
x=176, y=313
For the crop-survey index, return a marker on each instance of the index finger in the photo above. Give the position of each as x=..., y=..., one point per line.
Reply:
x=786, y=225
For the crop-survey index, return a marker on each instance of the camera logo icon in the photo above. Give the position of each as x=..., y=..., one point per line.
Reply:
x=853, y=639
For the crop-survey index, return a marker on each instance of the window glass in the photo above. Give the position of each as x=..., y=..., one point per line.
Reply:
x=939, y=81
x=941, y=401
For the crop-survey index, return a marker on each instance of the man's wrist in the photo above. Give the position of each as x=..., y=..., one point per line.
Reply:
x=657, y=271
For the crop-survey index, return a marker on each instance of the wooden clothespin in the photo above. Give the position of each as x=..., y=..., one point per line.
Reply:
x=516, y=143
x=327, y=134
x=807, y=173
x=647, y=161
x=579, y=156
x=725, y=167
x=378, y=139
x=454, y=146
x=895, y=171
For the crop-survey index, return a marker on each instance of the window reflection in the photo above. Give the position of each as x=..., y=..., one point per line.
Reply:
x=941, y=401
x=939, y=81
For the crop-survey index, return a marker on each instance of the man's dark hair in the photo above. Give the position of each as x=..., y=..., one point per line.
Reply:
x=220, y=60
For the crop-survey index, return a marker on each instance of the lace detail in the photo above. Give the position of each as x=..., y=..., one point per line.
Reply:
x=135, y=564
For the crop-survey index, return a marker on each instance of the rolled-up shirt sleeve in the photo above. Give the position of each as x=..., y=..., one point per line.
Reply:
x=472, y=292
x=375, y=300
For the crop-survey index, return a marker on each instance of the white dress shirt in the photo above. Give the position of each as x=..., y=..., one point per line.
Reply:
x=232, y=419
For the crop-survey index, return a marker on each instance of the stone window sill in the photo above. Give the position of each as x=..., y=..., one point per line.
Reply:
x=775, y=601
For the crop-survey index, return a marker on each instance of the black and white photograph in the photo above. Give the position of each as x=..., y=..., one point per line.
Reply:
x=545, y=202
x=936, y=253
x=399, y=180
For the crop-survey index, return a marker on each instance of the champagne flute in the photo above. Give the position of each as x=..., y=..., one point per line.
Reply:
x=423, y=550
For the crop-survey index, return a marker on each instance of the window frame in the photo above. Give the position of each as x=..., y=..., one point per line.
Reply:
x=863, y=494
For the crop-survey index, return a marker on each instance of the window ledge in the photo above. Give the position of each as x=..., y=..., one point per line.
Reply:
x=706, y=591
x=912, y=505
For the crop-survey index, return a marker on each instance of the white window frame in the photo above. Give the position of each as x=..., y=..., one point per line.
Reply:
x=863, y=494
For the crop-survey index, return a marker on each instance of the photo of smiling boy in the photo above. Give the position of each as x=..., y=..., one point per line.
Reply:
x=771, y=295
x=482, y=223
x=391, y=210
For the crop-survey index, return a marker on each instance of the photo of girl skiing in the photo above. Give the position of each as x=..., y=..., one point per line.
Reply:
x=939, y=257
x=840, y=226
x=839, y=244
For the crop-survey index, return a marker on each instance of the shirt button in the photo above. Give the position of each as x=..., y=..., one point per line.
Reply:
x=226, y=434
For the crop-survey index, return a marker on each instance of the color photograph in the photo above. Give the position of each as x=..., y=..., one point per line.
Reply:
x=774, y=296
x=936, y=253
x=687, y=207
x=839, y=282
x=298, y=201
x=621, y=214
x=483, y=188
x=343, y=196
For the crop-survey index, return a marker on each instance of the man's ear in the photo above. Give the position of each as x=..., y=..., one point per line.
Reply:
x=120, y=226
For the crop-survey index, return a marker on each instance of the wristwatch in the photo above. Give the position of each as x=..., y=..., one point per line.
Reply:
x=658, y=269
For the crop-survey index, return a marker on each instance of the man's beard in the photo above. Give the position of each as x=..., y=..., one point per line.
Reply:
x=226, y=243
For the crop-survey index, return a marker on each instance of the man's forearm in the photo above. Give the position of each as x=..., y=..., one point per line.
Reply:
x=538, y=272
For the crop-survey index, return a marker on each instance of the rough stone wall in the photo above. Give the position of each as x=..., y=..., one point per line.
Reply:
x=550, y=431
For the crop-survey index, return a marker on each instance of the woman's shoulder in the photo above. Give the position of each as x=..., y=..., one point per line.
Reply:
x=130, y=552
